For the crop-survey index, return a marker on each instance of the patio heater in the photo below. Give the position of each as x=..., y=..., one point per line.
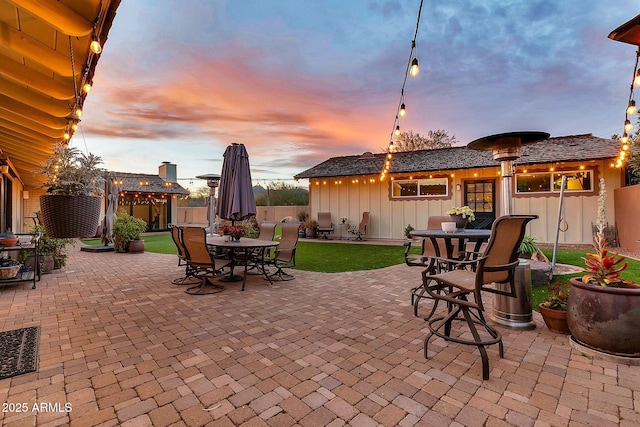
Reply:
x=213, y=180
x=506, y=148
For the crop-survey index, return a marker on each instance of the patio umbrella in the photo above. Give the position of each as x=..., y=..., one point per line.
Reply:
x=111, y=208
x=235, y=194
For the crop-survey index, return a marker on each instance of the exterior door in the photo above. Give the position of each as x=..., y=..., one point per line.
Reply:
x=480, y=197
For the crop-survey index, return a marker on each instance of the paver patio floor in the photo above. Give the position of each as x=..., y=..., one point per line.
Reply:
x=125, y=347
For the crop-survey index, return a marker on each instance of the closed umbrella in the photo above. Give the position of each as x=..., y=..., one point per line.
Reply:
x=111, y=208
x=235, y=194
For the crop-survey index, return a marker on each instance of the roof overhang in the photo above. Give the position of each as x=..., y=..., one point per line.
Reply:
x=39, y=92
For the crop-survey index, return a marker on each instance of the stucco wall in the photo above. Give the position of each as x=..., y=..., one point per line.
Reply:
x=344, y=197
x=627, y=206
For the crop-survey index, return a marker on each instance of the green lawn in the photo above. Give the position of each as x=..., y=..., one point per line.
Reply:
x=340, y=257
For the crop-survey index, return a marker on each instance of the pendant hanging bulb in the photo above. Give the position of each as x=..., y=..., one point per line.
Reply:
x=636, y=81
x=95, y=45
x=403, y=110
x=631, y=109
x=627, y=125
x=414, y=70
x=86, y=88
x=397, y=131
x=624, y=138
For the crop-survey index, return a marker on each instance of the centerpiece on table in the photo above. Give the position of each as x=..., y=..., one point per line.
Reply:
x=74, y=184
x=461, y=215
x=554, y=308
x=235, y=231
x=603, y=310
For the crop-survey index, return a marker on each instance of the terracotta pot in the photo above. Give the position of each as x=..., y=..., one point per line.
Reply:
x=459, y=220
x=556, y=320
x=604, y=318
x=310, y=232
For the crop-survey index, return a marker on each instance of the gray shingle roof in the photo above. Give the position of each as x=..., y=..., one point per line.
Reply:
x=557, y=149
x=131, y=183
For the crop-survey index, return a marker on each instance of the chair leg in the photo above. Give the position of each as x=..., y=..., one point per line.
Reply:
x=281, y=275
x=189, y=278
x=201, y=288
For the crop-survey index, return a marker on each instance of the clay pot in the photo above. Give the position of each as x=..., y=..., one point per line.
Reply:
x=556, y=320
x=136, y=246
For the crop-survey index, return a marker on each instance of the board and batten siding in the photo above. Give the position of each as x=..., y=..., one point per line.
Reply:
x=344, y=197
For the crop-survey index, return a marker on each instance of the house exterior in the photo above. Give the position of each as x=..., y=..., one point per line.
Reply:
x=429, y=182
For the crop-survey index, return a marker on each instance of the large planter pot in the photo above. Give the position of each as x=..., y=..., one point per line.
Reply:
x=605, y=319
x=556, y=320
x=66, y=216
x=459, y=220
x=136, y=246
x=310, y=232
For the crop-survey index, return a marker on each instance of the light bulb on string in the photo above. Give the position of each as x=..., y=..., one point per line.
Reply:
x=397, y=131
x=624, y=138
x=627, y=125
x=625, y=147
x=95, y=45
x=414, y=70
x=403, y=110
x=86, y=88
x=78, y=112
x=74, y=126
x=636, y=80
x=631, y=109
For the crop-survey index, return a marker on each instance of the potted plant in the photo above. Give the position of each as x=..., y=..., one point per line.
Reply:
x=74, y=183
x=234, y=231
x=310, y=228
x=528, y=247
x=302, y=217
x=554, y=308
x=52, y=251
x=126, y=232
x=461, y=215
x=8, y=238
x=603, y=310
x=407, y=231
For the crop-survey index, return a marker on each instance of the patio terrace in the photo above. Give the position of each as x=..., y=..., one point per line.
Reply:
x=126, y=348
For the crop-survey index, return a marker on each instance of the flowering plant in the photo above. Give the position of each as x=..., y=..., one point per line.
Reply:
x=465, y=211
x=235, y=231
x=557, y=299
x=603, y=269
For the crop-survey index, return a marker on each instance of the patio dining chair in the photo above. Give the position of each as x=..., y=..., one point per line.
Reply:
x=427, y=258
x=257, y=256
x=204, y=264
x=189, y=273
x=285, y=253
x=325, y=226
x=494, y=273
x=362, y=227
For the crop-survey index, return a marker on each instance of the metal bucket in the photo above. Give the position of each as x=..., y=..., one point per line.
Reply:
x=516, y=312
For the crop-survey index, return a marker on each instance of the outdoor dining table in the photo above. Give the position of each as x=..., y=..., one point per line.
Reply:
x=461, y=235
x=245, y=245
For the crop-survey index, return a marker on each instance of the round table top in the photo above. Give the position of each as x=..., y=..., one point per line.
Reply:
x=458, y=234
x=244, y=242
x=489, y=142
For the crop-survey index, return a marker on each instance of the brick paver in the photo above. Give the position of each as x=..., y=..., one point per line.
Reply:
x=123, y=346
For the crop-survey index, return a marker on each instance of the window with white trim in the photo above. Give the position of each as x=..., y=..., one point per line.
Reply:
x=550, y=182
x=428, y=187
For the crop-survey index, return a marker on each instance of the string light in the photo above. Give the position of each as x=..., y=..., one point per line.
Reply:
x=95, y=45
x=631, y=110
x=413, y=70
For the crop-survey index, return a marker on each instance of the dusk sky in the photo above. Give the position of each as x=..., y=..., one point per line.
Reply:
x=298, y=82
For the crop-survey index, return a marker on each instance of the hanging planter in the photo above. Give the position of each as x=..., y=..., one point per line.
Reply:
x=68, y=216
x=74, y=182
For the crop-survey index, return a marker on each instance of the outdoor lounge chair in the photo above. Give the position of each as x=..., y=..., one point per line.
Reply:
x=362, y=227
x=189, y=273
x=427, y=258
x=204, y=264
x=285, y=254
x=325, y=226
x=495, y=273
